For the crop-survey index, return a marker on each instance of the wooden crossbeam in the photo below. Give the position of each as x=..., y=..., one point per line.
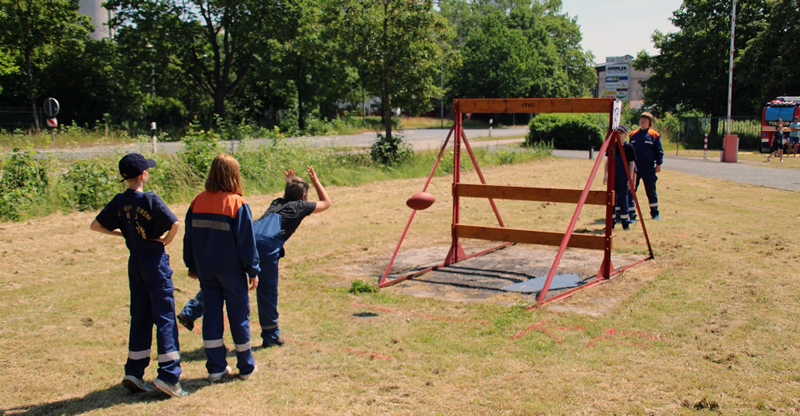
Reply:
x=534, y=105
x=547, y=238
x=522, y=193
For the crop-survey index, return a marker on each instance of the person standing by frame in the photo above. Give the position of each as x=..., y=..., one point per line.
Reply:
x=219, y=249
x=794, y=134
x=646, y=143
x=777, y=141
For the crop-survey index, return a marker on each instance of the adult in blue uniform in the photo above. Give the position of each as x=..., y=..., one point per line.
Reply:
x=646, y=143
x=142, y=218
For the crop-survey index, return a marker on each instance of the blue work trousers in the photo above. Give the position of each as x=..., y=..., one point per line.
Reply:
x=152, y=302
x=649, y=178
x=194, y=307
x=267, y=294
x=623, y=200
x=230, y=291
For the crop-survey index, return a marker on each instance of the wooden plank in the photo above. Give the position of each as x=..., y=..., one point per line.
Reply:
x=547, y=238
x=522, y=193
x=534, y=105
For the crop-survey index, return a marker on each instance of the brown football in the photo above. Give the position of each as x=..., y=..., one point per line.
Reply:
x=420, y=200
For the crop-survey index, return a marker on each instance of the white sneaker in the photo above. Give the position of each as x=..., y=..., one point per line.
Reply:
x=247, y=376
x=135, y=384
x=218, y=376
x=174, y=390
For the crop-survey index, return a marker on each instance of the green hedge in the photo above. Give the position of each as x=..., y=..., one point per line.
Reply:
x=567, y=131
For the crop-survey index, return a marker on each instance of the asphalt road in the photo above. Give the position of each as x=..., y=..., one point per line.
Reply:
x=420, y=139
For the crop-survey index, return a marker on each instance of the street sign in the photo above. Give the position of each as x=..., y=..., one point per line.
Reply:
x=51, y=107
x=52, y=123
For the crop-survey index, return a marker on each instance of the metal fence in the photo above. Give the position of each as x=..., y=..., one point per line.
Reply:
x=694, y=129
x=19, y=117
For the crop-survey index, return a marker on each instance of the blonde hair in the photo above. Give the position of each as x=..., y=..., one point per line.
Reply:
x=295, y=189
x=224, y=175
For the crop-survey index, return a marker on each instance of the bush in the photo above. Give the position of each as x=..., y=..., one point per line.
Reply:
x=567, y=131
x=359, y=286
x=200, y=147
x=390, y=150
x=23, y=180
x=91, y=184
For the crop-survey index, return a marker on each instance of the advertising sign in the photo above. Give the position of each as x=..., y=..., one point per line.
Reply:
x=617, y=70
x=613, y=83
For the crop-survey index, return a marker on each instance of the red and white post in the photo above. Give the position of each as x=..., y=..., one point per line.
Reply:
x=705, y=147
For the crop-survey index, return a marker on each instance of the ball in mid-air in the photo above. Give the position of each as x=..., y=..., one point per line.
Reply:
x=420, y=200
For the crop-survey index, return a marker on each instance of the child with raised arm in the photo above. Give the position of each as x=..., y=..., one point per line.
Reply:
x=292, y=209
x=219, y=249
x=142, y=218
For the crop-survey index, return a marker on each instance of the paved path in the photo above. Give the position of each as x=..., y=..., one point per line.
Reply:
x=788, y=179
x=420, y=139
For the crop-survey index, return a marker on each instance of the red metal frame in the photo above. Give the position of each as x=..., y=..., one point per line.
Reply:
x=612, y=143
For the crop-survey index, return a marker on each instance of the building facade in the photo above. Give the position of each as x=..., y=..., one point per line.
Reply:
x=617, y=78
x=100, y=18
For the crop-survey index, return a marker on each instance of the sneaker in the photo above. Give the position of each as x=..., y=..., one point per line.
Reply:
x=656, y=217
x=135, y=384
x=626, y=226
x=247, y=376
x=218, y=376
x=186, y=322
x=273, y=343
x=173, y=390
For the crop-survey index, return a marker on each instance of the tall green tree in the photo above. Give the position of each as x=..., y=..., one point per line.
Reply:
x=213, y=42
x=33, y=31
x=397, y=47
x=768, y=62
x=691, y=71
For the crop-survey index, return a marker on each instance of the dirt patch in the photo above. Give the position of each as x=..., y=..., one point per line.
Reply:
x=482, y=278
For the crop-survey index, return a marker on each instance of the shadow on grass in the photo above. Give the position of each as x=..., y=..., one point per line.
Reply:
x=102, y=399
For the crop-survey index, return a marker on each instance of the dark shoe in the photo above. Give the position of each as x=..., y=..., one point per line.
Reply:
x=186, y=322
x=135, y=384
x=273, y=343
x=626, y=226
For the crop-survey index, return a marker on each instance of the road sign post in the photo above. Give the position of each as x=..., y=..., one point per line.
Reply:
x=51, y=108
x=153, y=129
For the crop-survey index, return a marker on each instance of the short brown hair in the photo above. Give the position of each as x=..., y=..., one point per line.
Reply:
x=295, y=188
x=224, y=175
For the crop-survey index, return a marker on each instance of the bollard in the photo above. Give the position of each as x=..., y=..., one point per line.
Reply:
x=153, y=133
x=591, y=152
x=705, y=147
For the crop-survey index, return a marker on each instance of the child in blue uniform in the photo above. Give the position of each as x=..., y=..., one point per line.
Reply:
x=293, y=208
x=219, y=249
x=623, y=198
x=142, y=218
x=649, y=157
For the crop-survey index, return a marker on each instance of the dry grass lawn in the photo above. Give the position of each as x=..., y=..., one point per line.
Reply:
x=709, y=327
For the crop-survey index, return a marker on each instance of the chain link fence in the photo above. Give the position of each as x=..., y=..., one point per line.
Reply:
x=694, y=129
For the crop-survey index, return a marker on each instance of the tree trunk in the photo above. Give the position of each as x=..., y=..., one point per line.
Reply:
x=219, y=99
x=300, y=83
x=32, y=93
x=387, y=114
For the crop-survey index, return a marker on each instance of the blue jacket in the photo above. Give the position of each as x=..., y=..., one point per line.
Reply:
x=219, y=235
x=647, y=144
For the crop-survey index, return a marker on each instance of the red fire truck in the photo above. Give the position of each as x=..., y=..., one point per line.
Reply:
x=784, y=108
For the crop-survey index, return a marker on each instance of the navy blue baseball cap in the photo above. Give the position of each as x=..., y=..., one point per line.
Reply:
x=133, y=164
x=622, y=128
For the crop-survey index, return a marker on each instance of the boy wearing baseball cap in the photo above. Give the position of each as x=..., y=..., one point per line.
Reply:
x=142, y=219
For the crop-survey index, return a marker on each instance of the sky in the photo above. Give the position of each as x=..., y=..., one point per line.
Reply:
x=621, y=27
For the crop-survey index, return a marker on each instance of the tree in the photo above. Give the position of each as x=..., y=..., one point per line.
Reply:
x=397, y=47
x=691, y=71
x=767, y=62
x=213, y=42
x=518, y=49
x=35, y=30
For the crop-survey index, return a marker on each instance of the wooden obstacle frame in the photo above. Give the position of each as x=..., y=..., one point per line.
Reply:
x=509, y=236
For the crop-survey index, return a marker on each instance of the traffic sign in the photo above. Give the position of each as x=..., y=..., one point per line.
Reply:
x=51, y=107
x=52, y=123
